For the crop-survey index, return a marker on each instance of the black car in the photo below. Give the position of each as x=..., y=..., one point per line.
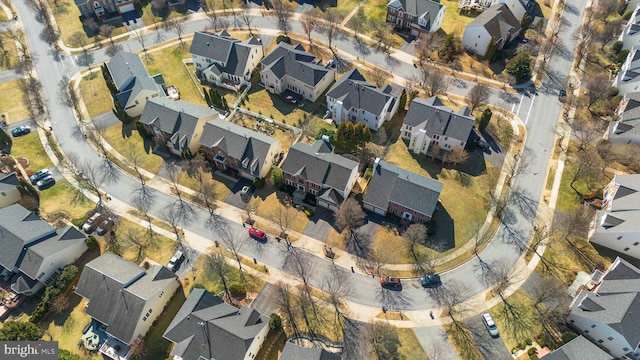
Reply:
x=430, y=280
x=562, y=94
x=20, y=131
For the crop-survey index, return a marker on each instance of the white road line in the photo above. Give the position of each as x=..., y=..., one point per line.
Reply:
x=529, y=112
x=519, y=105
x=72, y=61
x=513, y=107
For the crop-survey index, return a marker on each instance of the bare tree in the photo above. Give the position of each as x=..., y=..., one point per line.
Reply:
x=573, y=225
x=587, y=168
x=246, y=16
x=350, y=215
x=210, y=11
x=585, y=132
x=431, y=81
x=358, y=22
x=140, y=242
x=89, y=176
x=177, y=26
x=234, y=243
x=139, y=37
x=381, y=340
x=134, y=158
x=284, y=301
x=138, y=349
x=113, y=49
x=379, y=75
x=416, y=234
x=174, y=173
x=331, y=25
x=309, y=23
x=69, y=96
x=478, y=96
x=106, y=31
x=597, y=87
x=217, y=265
x=60, y=304
x=284, y=12
x=516, y=166
x=606, y=8
x=426, y=45
x=284, y=216
x=383, y=34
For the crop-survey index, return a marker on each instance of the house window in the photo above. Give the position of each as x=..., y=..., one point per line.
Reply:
x=572, y=321
x=593, y=326
x=636, y=243
x=610, y=338
x=626, y=249
x=625, y=349
x=313, y=191
x=600, y=341
x=586, y=331
x=619, y=237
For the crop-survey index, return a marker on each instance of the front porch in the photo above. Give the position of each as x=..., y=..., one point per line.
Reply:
x=115, y=349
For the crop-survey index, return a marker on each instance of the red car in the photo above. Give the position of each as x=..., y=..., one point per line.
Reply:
x=257, y=233
x=389, y=281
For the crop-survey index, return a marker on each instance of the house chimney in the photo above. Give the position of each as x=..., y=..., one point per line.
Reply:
x=325, y=138
x=207, y=43
x=376, y=162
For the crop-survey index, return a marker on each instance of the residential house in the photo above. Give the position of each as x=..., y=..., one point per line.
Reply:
x=415, y=16
x=125, y=299
x=249, y=152
x=630, y=35
x=34, y=252
x=290, y=68
x=103, y=9
x=609, y=314
x=496, y=26
x=133, y=83
x=352, y=98
x=626, y=130
x=403, y=193
x=178, y=124
x=617, y=225
x=315, y=169
x=518, y=7
x=578, y=349
x=223, y=60
x=628, y=79
x=9, y=193
x=429, y=123
x=206, y=327
x=292, y=351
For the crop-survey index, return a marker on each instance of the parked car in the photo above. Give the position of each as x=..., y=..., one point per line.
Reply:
x=490, y=324
x=257, y=233
x=482, y=144
x=20, y=131
x=104, y=226
x=40, y=174
x=175, y=261
x=562, y=94
x=45, y=182
x=390, y=281
x=91, y=223
x=430, y=280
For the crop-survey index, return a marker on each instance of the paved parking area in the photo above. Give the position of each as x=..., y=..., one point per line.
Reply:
x=320, y=224
x=234, y=198
x=105, y=120
x=491, y=348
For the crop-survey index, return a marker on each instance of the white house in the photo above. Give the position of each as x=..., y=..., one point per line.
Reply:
x=353, y=99
x=430, y=123
x=626, y=130
x=518, y=7
x=609, y=314
x=416, y=16
x=206, y=327
x=133, y=83
x=617, y=225
x=630, y=35
x=628, y=79
x=125, y=298
x=9, y=193
x=495, y=25
x=290, y=68
x=225, y=61
x=34, y=252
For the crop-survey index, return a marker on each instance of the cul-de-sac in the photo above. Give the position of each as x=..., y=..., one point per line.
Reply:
x=320, y=179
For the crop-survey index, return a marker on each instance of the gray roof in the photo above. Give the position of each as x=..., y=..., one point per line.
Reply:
x=623, y=211
x=629, y=123
x=292, y=60
x=317, y=165
x=239, y=143
x=292, y=351
x=177, y=118
x=438, y=119
x=578, y=349
x=19, y=227
x=22, y=283
x=118, y=292
x=390, y=183
x=498, y=20
x=8, y=181
x=419, y=8
x=355, y=92
x=32, y=259
x=228, y=332
x=630, y=73
x=130, y=76
x=222, y=48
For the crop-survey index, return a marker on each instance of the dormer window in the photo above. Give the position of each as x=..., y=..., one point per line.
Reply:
x=245, y=162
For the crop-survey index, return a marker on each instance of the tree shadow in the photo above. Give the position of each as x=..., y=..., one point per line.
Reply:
x=444, y=237
x=86, y=59
x=392, y=298
x=361, y=47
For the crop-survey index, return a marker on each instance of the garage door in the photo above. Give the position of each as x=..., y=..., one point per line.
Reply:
x=379, y=211
x=126, y=8
x=414, y=32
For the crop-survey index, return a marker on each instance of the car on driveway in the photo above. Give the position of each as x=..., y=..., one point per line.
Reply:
x=91, y=223
x=20, y=131
x=104, y=226
x=491, y=325
x=390, y=281
x=257, y=233
x=175, y=261
x=39, y=175
x=45, y=182
x=429, y=280
x=482, y=144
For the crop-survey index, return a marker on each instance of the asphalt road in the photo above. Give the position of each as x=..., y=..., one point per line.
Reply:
x=540, y=113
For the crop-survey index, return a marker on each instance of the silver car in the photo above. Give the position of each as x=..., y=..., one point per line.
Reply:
x=491, y=325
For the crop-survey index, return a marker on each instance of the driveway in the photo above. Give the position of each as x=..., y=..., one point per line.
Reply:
x=320, y=224
x=491, y=348
x=266, y=302
x=436, y=343
x=105, y=120
x=9, y=75
x=234, y=198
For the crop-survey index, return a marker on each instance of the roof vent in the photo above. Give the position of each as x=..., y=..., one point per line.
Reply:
x=207, y=43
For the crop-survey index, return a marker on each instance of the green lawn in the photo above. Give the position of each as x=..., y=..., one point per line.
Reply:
x=345, y=6
x=168, y=62
x=410, y=346
x=222, y=187
x=516, y=330
x=567, y=197
x=11, y=56
x=286, y=138
x=95, y=94
x=268, y=207
x=157, y=346
x=13, y=101
x=456, y=19
x=122, y=140
x=206, y=279
x=462, y=341
x=68, y=19
x=66, y=327
x=30, y=147
x=63, y=197
x=161, y=252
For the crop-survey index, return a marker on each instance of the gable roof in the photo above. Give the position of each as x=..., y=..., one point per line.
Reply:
x=18, y=228
x=419, y=8
x=8, y=181
x=239, y=143
x=435, y=118
x=292, y=351
x=34, y=256
x=354, y=91
x=291, y=60
x=498, y=20
x=578, y=349
x=629, y=123
x=118, y=292
x=223, y=49
x=207, y=327
x=622, y=212
x=131, y=77
x=390, y=183
x=177, y=118
x=316, y=164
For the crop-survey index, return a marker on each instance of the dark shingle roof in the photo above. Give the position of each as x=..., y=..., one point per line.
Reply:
x=239, y=143
x=223, y=49
x=390, y=183
x=498, y=20
x=22, y=283
x=292, y=351
x=8, y=181
x=130, y=76
x=418, y=8
x=354, y=91
x=208, y=327
x=438, y=119
x=18, y=227
x=629, y=123
x=578, y=349
x=177, y=118
x=35, y=254
x=319, y=167
x=291, y=60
